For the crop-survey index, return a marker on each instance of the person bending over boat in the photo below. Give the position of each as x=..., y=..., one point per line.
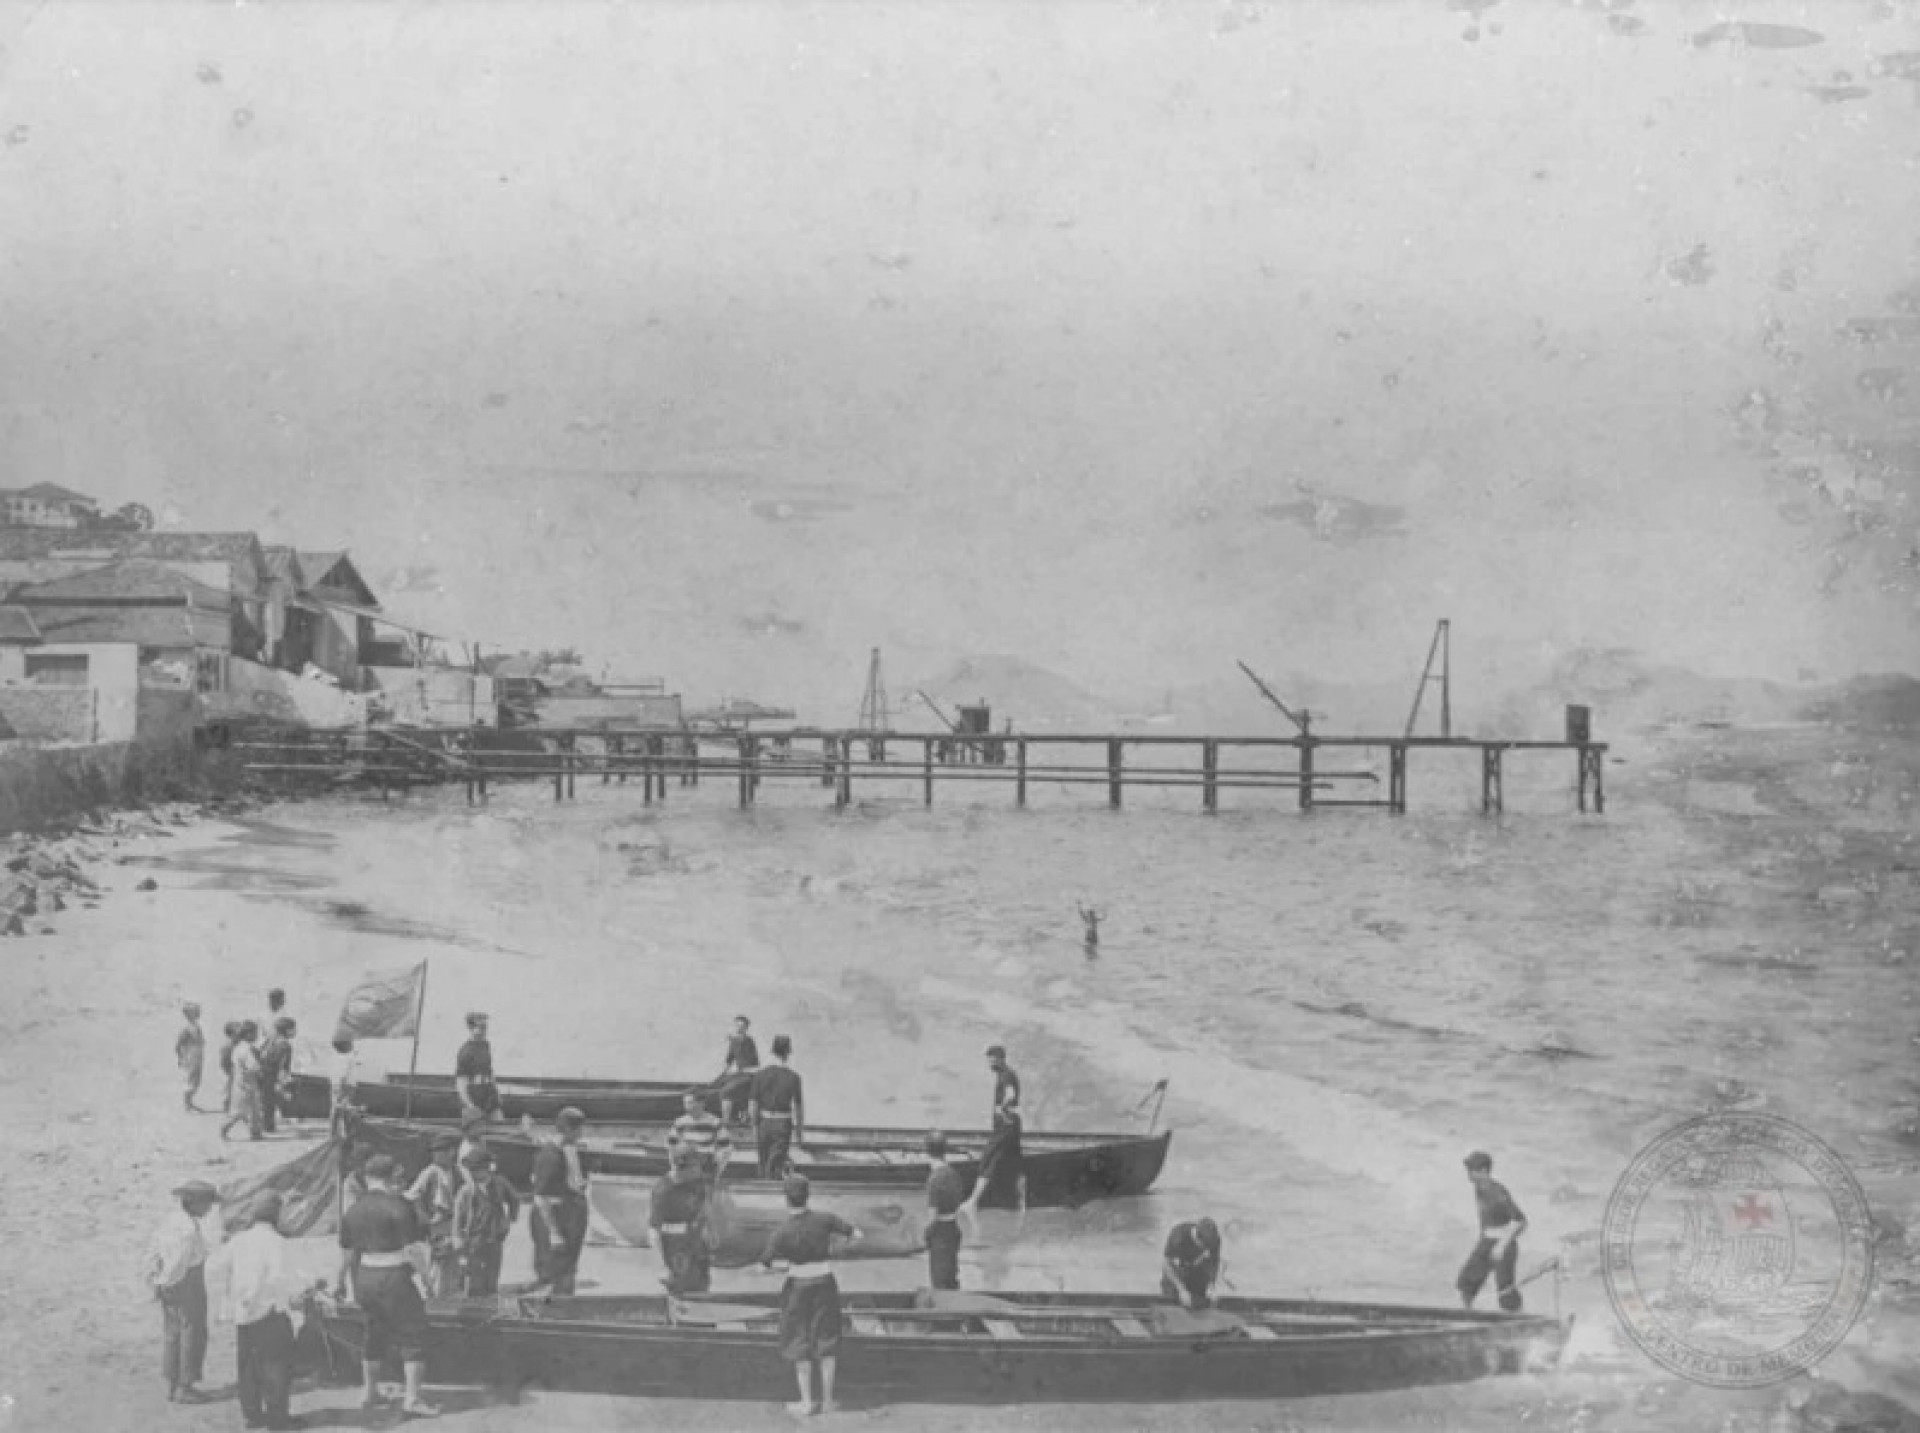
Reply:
x=777, y=1111
x=1000, y=1164
x=736, y=1076
x=377, y=1268
x=700, y=1136
x=1190, y=1264
x=946, y=1192
x=678, y=1217
x=1497, y=1252
x=473, y=1070
x=260, y=1293
x=559, y=1219
x=432, y=1195
x=483, y=1215
x=810, y=1299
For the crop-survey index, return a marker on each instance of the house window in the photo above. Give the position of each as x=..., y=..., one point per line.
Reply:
x=57, y=670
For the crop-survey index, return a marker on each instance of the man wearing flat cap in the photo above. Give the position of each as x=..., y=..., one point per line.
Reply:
x=260, y=1292
x=1497, y=1251
x=175, y=1269
x=473, y=1070
x=677, y=1214
x=558, y=1222
x=375, y=1265
x=432, y=1195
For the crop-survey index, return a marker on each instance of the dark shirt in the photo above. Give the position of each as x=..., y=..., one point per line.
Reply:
x=276, y=1053
x=946, y=1190
x=474, y=1063
x=1188, y=1248
x=550, y=1173
x=742, y=1053
x=380, y=1223
x=776, y=1090
x=1496, y=1206
x=677, y=1202
x=1006, y=1097
x=806, y=1238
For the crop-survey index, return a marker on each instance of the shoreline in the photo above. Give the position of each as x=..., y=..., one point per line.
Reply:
x=106, y=1133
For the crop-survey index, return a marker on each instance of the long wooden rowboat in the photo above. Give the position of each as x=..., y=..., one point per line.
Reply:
x=434, y=1097
x=1061, y=1170
x=968, y=1348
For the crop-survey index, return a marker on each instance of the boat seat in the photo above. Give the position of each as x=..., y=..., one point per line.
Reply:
x=1261, y=1331
x=867, y=1324
x=1002, y=1328
x=1132, y=1328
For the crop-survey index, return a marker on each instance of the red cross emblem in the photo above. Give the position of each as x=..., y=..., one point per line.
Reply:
x=1752, y=1212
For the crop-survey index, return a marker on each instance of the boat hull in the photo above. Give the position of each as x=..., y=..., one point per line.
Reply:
x=1061, y=1170
x=429, y=1097
x=603, y=1346
x=742, y=1218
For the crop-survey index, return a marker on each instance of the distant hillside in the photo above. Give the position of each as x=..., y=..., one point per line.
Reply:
x=1029, y=695
x=1874, y=703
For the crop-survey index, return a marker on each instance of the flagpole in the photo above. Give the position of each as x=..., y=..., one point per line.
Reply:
x=419, y=1014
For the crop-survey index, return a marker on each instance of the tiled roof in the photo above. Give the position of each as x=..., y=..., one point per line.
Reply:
x=125, y=581
x=145, y=626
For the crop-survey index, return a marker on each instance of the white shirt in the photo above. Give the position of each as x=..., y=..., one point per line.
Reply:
x=246, y=1059
x=180, y=1244
x=252, y=1276
x=346, y=1072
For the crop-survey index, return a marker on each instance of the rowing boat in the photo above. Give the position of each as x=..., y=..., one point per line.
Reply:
x=742, y=1217
x=434, y=1097
x=967, y=1348
x=1059, y=1170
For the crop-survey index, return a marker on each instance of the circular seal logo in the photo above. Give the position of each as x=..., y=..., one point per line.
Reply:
x=1738, y=1250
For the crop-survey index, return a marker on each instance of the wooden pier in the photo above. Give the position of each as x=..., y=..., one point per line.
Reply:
x=1309, y=770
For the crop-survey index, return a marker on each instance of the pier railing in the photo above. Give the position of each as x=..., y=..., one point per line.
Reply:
x=1312, y=773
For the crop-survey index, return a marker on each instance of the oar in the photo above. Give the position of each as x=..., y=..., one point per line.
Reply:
x=1547, y=1268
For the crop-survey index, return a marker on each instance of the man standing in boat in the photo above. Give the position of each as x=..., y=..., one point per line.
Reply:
x=1497, y=1252
x=432, y=1197
x=777, y=1112
x=736, y=1076
x=375, y=1232
x=700, y=1136
x=559, y=1218
x=1190, y=1264
x=946, y=1192
x=473, y=1070
x=483, y=1214
x=678, y=1217
x=810, y=1321
x=1000, y=1163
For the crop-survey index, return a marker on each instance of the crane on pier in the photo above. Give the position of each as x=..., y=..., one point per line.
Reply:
x=873, y=703
x=1302, y=718
x=1441, y=648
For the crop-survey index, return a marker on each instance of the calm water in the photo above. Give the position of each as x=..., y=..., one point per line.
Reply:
x=1344, y=1005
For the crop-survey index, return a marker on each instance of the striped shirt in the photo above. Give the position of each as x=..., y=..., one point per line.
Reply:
x=702, y=1135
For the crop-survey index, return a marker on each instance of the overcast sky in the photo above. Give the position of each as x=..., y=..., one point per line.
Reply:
x=727, y=340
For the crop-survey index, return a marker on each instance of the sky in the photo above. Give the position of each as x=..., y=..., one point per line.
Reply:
x=726, y=341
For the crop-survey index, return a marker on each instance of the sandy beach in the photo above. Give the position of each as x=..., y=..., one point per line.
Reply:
x=1324, y=1081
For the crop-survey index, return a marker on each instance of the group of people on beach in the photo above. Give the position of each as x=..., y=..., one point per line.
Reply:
x=443, y=1234
x=256, y=1064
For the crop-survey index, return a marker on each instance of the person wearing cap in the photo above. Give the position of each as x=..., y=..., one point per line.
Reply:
x=558, y=1222
x=1497, y=1250
x=483, y=1215
x=1190, y=1264
x=677, y=1213
x=701, y=1136
x=810, y=1299
x=473, y=1070
x=736, y=1075
x=946, y=1192
x=276, y=1069
x=775, y=1106
x=432, y=1194
x=260, y=1292
x=375, y=1265
x=175, y=1269
x=190, y=1053
x=1000, y=1161
x=243, y=1094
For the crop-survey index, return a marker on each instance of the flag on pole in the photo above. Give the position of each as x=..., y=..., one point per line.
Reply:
x=385, y=1008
